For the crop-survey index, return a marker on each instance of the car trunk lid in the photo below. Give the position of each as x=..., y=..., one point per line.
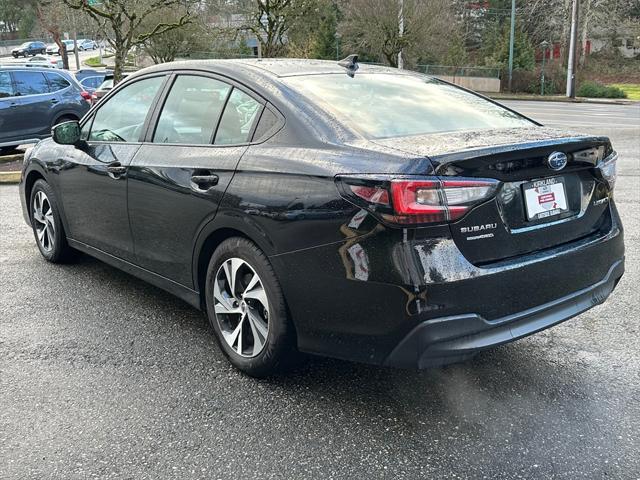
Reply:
x=536, y=207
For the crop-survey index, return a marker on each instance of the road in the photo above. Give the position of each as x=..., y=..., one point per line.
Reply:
x=82, y=56
x=104, y=376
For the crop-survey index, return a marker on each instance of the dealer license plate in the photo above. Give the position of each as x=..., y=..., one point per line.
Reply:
x=545, y=198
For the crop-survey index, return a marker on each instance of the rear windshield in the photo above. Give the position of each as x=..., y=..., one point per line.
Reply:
x=388, y=105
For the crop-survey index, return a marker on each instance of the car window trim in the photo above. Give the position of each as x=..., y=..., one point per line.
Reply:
x=148, y=138
x=251, y=130
x=212, y=140
x=273, y=130
x=147, y=119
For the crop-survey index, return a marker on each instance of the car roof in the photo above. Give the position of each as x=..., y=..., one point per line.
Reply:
x=273, y=67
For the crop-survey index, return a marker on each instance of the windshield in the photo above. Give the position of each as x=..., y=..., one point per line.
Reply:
x=25, y=45
x=389, y=105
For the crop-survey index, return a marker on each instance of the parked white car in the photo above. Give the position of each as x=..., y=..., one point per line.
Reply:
x=87, y=44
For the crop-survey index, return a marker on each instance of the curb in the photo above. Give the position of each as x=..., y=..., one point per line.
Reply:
x=11, y=158
x=563, y=99
x=10, y=177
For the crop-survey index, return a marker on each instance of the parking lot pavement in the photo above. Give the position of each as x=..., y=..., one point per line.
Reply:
x=102, y=375
x=82, y=56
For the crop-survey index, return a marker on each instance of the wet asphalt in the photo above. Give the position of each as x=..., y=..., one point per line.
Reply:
x=104, y=376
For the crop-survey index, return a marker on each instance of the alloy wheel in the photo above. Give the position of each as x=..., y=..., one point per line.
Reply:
x=241, y=307
x=44, y=221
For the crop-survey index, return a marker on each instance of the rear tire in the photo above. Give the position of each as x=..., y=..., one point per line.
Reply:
x=64, y=118
x=247, y=310
x=46, y=224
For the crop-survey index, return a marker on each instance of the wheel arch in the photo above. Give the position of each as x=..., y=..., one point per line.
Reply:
x=30, y=179
x=217, y=231
x=65, y=113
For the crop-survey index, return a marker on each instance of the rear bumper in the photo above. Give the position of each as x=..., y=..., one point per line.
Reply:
x=386, y=300
x=445, y=340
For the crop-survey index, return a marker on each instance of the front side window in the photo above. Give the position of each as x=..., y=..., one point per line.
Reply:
x=30, y=83
x=121, y=117
x=6, y=86
x=394, y=105
x=191, y=112
x=237, y=119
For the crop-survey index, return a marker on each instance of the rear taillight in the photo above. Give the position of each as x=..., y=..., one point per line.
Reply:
x=86, y=95
x=411, y=201
x=608, y=169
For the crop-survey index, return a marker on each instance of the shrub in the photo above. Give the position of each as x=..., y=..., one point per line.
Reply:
x=597, y=90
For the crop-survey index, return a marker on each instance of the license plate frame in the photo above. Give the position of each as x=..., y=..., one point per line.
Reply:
x=545, y=198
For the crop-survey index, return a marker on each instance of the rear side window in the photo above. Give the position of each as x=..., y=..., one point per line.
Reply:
x=30, y=83
x=56, y=82
x=121, y=117
x=237, y=119
x=191, y=112
x=267, y=125
x=6, y=86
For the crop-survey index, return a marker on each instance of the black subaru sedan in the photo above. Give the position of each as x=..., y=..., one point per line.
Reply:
x=365, y=213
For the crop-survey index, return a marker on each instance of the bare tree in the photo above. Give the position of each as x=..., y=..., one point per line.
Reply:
x=371, y=26
x=125, y=19
x=269, y=21
x=52, y=17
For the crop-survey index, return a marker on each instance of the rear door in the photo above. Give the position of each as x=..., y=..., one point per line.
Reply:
x=9, y=108
x=179, y=176
x=36, y=103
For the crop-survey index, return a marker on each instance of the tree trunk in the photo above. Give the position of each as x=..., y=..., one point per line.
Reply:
x=120, y=59
x=585, y=32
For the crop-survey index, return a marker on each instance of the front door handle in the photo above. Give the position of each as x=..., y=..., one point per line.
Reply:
x=116, y=170
x=202, y=183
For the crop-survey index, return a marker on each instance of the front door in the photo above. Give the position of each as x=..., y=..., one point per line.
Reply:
x=92, y=178
x=179, y=177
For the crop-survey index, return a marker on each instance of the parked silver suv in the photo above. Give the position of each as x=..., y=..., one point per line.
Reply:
x=34, y=99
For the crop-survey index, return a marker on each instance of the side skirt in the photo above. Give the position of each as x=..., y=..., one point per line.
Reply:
x=190, y=296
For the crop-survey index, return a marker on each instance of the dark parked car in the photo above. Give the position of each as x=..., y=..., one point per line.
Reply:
x=91, y=79
x=29, y=48
x=105, y=87
x=34, y=99
x=91, y=84
x=374, y=215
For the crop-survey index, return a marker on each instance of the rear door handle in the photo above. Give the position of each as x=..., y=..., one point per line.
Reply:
x=202, y=183
x=115, y=170
x=53, y=101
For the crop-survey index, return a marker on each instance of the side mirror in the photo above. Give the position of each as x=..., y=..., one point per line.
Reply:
x=66, y=133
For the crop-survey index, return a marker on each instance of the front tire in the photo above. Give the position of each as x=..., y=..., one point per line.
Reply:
x=247, y=310
x=46, y=224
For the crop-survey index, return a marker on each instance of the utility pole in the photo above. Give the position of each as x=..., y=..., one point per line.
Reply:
x=75, y=47
x=573, y=44
x=401, y=32
x=512, y=35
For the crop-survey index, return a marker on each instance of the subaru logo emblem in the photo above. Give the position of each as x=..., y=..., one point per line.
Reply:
x=557, y=161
